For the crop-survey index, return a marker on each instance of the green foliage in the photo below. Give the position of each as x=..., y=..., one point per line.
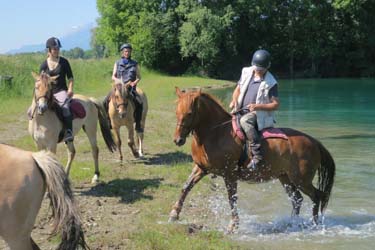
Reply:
x=74, y=53
x=217, y=38
x=201, y=35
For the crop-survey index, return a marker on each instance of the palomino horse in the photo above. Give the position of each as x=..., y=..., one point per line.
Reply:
x=121, y=111
x=216, y=149
x=45, y=127
x=24, y=179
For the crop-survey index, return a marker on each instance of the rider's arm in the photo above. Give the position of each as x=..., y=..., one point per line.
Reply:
x=235, y=95
x=273, y=105
x=43, y=67
x=138, y=76
x=69, y=75
x=114, y=73
x=274, y=101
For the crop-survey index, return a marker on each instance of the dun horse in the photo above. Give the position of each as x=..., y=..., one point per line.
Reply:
x=216, y=149
x=121, y=111
x=24, y=178
x=46, y=128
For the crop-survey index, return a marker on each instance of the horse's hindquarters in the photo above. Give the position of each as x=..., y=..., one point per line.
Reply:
x=22, y=188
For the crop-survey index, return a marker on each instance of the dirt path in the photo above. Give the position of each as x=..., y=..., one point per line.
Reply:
x=109, y=212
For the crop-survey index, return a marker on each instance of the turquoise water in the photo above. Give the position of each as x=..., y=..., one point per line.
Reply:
x=341, y=114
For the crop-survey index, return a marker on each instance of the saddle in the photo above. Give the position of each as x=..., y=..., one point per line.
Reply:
x=266, y=133
x=76, y=108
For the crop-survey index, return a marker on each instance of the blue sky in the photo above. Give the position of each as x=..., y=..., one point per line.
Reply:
x=26, y=22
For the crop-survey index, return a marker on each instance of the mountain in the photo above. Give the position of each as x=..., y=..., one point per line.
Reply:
x=80, y=38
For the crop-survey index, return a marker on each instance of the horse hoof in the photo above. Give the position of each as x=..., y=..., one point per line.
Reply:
x=173, y=216
x=136, y=154
x=232, y=227
x=95, y=179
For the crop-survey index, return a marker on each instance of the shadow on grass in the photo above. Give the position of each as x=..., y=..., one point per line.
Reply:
x=129, y=190
x=169, y=158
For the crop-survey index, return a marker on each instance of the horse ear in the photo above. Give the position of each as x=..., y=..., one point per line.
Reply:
x=35, y=75
x=178, y=92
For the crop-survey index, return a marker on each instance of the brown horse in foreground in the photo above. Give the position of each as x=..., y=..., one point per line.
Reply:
x=45, y=127
x=24, y=178
x=121, y=111
x=216, y=150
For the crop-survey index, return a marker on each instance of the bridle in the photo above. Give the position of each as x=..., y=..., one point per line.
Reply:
x=47, y=96
x=123, y=103
x=189, y=127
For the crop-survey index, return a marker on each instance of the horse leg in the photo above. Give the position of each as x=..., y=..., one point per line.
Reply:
x=71, y=154
x=117, y=139
x=293, y=193
x=196, y=175
x=95, y=153
x=316, y=196
x=232, y=196
x=140, y=144
x=131, y=143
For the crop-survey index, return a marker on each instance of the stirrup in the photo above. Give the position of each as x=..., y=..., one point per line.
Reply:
x=138, y=129
x=68, y=136
x=255, y=164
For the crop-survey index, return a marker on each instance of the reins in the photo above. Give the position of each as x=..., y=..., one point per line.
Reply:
x=226, y=122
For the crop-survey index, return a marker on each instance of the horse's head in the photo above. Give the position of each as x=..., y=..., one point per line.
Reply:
x=121, y=99
x=186, y=113
x=43, y=96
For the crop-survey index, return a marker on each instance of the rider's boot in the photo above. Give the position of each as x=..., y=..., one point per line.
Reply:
x=257, y=160
x=68, y=122
x=138, y=116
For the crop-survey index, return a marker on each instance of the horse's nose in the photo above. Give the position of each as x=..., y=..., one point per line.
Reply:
x=179, y=141
x=42, y=108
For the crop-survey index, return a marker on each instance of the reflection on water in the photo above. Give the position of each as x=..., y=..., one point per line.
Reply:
x=341, y=114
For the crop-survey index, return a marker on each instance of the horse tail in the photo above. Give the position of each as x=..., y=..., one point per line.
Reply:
x=64, y=209
x=104, y=126
x=326, y=175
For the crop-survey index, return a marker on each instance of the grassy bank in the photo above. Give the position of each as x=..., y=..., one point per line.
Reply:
x=129, y=209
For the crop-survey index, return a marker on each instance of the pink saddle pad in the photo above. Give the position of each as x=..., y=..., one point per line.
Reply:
x=266, y=133
x=274, y=133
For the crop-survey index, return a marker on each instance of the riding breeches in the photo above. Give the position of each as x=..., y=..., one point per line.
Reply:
x=248, y=123
x=63, y=101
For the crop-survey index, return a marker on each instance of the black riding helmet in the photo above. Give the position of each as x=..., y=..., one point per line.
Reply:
x=126, y=46
x=261, y=58
x=53, y=42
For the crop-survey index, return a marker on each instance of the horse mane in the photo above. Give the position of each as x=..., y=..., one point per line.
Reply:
x=214, y=100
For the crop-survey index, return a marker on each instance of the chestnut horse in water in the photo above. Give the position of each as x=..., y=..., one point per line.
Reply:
x=121, y=110
x=217, y=150
x=46, y=128
x=24, y=179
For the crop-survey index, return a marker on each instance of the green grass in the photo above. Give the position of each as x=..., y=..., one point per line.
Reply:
x=150, y=186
